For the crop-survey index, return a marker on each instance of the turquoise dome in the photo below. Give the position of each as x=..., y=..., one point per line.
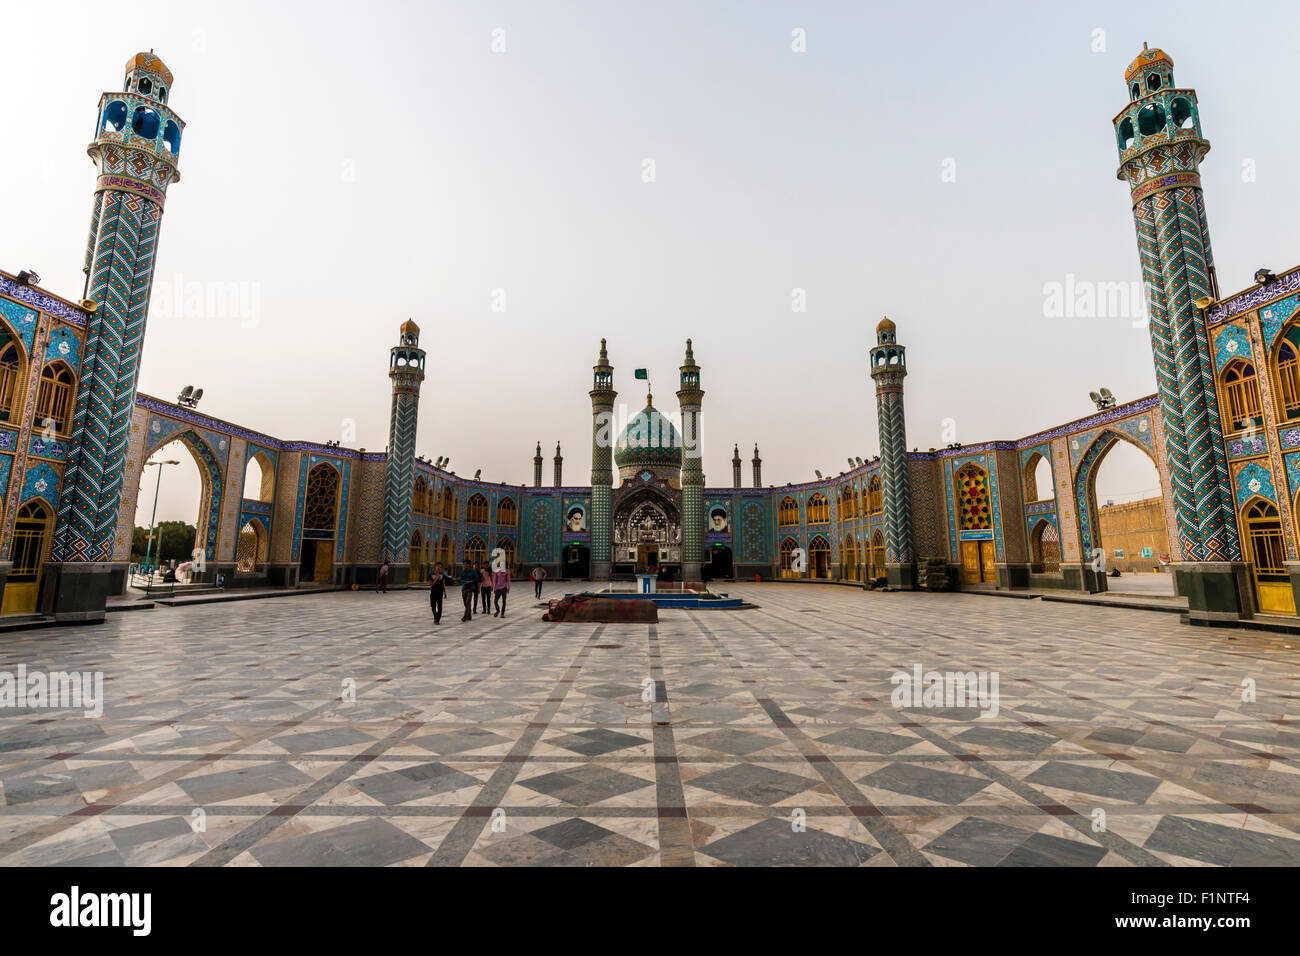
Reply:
x=650, y=441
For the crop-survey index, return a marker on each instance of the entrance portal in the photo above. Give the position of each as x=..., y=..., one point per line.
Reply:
x=978, y=562
x=647, y=559
x=577, y=562
x=31, y=534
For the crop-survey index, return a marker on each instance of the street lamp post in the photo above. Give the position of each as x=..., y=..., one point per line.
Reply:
x=148, y=549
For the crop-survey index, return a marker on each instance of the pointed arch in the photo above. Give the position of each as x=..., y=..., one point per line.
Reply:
x=1037, y=478
x=13, y=362
x=1266, y=551
x=875, y=495
x=849, y=569
x=55, y=395
x=251, y=547
x=819, y=557
x=507, y=545
x=476, y=549
x=211, y=488
x=1045, y=547
x=878, y=554
x=420, y=495
x=786, y=555
x=507, y=513
x=259, y=477
x=818, y=509
x=1239, y=402
x=1085, y=484
x=1284, y=360
x=788, y=512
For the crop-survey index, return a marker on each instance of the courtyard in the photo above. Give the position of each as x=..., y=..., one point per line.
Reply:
x=343, y=728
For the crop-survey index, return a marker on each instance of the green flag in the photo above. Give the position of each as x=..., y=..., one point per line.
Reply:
x=641, y=373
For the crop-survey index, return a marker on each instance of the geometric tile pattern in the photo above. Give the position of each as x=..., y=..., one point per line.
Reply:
x=1121, y=738
x=893, y=446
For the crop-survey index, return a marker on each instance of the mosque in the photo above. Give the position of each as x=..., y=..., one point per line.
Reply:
x=1222, y=429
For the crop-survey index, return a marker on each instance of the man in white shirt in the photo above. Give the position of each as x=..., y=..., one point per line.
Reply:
x=538, y=576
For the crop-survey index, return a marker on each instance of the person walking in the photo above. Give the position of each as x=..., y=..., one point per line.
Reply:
x=485, y=586
x=538, y=576
x=500, y=588
x=468, y=588
x=383, y=578
x=438, y=581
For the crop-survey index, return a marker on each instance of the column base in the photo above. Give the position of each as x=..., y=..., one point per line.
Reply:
x=1082, y=577
x=599, y=570
x=283, y=575
x=1218, y=592
x=690, y=571
x=901, y=576
x=76, y=592
x=1013, y=577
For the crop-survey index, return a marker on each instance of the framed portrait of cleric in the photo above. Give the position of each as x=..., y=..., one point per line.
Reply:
x=575, y=518
x=719, y=521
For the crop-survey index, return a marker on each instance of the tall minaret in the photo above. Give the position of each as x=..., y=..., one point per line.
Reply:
x=735, y=467
x=558, y=473
x=758, y=469
x=602, y=475
x=137, y=140
x=889, y=368
x=1160, y=150
x=406, y=370
x=691, y=396
x=537, y=467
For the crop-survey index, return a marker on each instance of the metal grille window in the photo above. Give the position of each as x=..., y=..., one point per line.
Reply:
x=29, y=542
x=54, y=397
x=1241, y=396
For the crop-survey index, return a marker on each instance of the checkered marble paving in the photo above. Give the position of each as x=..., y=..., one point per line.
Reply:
x=229, y=737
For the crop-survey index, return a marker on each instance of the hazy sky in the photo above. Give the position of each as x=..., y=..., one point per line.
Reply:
x=346, y=166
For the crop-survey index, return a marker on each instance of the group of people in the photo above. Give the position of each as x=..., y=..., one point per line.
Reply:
x=481, y=588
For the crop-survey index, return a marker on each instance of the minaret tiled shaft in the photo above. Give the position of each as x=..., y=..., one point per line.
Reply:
x=735, y=467
x=406, y=370
x=691, y=397
x=602, y=474
x=135, y=150
x=557, y=473
x=758, y=469
x=537, y=467
x=1161, y=148
x=888, y=369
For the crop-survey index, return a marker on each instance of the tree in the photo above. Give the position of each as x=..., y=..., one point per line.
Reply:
x=174, y=542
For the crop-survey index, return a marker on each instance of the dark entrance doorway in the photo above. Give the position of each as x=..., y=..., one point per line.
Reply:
x=720, y=562
x=576, y=562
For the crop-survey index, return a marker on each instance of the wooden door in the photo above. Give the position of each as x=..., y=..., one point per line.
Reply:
x=988, y=562
x=970, y=562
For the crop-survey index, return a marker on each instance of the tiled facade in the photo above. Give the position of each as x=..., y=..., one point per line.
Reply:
x=1228, y=482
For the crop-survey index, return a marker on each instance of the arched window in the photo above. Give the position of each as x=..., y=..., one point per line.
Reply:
x=420, y=496
x=507, y=513
x=788, y=546
x=819, y=509
x=27, y=551
x=54, y=397
x=321, y=506
x=974, y=506
x=508, y=546
x=1182, y=113
x=847, y=501
x=1241, y=408
x=476, y=549
x=878, y=554
x=1287, y=367
x=415, y=557
x=1038, y=478
x=144, y=123
x=9, y=372
x=849, y=570
x=1151, y=120
x=1045, y=547
x=875, y=495
x=446, y=552
x=1267, y=554
x=450, y=508
x=114, y=117
x=250, y=549
x=476, y=509
x=788, y=512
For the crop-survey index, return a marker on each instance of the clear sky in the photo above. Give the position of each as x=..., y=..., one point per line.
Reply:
x=346, y=166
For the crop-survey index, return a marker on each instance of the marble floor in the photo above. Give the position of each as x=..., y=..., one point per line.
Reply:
x=345, y=729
